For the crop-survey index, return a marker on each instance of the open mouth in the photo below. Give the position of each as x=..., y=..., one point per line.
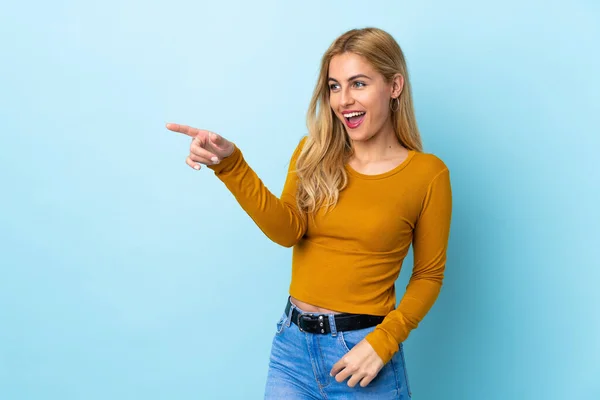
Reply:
x=353, y=120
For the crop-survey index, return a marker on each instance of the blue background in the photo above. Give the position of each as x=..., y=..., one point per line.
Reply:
x=125, y=274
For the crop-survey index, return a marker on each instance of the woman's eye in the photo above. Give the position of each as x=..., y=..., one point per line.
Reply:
x=333, y=86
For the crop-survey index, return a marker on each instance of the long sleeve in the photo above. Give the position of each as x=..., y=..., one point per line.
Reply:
x=278, y=218
x=430, y=241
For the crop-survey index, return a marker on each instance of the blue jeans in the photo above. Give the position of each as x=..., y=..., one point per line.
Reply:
x=300, y=363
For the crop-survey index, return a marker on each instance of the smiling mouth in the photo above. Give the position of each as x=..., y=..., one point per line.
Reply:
x=355, y=121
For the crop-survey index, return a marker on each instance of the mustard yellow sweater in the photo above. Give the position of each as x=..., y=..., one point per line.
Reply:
x=349, y=259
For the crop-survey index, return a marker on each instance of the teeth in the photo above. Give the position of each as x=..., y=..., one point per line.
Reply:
x=354, y=114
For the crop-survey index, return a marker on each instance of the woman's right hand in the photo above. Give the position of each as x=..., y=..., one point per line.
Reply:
x=206, y=148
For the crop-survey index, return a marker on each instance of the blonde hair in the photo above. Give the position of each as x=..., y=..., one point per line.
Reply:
x=320, y=165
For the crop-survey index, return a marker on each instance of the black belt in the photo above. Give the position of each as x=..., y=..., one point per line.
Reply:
x=319, y=323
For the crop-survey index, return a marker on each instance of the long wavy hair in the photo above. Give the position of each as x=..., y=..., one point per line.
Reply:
x=320, y=164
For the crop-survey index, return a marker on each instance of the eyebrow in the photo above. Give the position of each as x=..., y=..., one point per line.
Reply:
x=351, y=78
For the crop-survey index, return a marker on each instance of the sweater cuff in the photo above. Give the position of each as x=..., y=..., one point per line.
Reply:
x=383, y=343
x=228, y=163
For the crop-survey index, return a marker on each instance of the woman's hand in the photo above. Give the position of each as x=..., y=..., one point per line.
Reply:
x=362, y=364
x=207, y=147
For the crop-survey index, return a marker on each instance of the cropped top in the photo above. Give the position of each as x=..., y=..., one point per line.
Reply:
x=349, y=258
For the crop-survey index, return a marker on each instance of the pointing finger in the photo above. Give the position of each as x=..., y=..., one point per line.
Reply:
x=186, y=130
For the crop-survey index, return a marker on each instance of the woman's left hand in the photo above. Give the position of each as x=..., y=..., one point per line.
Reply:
x=361, y=364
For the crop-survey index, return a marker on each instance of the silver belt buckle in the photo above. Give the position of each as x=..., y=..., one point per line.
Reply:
x=311, y=315
x=300, y=315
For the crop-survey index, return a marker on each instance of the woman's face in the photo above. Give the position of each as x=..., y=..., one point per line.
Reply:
x=356, y=88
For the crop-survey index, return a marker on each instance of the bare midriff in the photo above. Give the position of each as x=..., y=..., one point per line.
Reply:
x=310, y=308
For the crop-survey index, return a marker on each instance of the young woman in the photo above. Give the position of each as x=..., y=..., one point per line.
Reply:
x=359, y=191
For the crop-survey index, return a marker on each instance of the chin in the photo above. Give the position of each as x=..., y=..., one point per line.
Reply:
x=359, y=136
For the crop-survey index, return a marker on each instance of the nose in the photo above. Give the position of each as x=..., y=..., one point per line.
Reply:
x=346, y=98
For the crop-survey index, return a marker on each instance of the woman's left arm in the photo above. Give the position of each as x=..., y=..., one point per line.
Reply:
x=430, y=242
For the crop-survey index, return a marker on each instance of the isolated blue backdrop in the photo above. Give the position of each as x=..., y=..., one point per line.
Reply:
x=127, y=275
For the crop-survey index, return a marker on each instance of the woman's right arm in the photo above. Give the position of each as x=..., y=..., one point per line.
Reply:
x=278, y=218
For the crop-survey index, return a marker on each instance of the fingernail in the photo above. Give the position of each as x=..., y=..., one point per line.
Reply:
x=196, y=167
x=215, y=160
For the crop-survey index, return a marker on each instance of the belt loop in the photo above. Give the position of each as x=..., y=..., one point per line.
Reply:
x=332, y=326
x=289, y=317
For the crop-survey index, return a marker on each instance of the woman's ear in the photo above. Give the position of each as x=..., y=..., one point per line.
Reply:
x=397, y=85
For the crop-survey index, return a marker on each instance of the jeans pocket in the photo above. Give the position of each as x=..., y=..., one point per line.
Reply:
x=349, y=339
x=281, y=324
